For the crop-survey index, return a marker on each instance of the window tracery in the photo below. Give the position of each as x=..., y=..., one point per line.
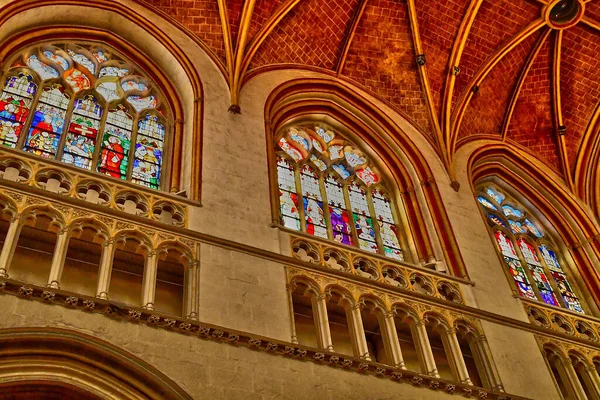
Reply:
x=531, y=259
x=330, y=189
x=85, y=105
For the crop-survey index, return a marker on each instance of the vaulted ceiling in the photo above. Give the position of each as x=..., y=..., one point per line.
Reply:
x=499, y=69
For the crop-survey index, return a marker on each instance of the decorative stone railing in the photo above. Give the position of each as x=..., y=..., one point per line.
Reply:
x=376, y=268
x=271, y=346
x=562, y=321
x=72, y=182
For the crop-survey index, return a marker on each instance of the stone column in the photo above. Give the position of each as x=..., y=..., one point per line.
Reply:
x=573, y=380
x=590, y=375
x=357, y=331
x=424, y=348
x=191, y=290
x=390, y=337
x=58, y=258
x=149, y=282
x=319, y=305
x=10, y=244
x=456, y=356
x=487, y=361
x=105, y=269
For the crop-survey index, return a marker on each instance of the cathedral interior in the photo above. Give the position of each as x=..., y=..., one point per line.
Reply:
x=299, y=199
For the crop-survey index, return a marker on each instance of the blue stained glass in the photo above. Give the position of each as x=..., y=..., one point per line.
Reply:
x=496, y=220
x=340, y=169
x=44, y=70
x=486, y=203
x=300, y=140
x=511, y=211
x=532, y=228
x=83, y=60
x=326, y=135
x=113, y=71
x=57, y=59
x=497, y=196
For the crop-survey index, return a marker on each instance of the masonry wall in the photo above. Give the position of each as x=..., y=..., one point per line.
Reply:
x=246, y=293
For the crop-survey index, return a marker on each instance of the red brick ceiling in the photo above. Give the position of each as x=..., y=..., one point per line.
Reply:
x=371, y=43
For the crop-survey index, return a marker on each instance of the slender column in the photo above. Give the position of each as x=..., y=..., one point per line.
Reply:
x=390, y=336
x=191, y=290
x=593, y=381
x=58, y=258
x=358, y=331
x=10, y=244
x=105, y=269
x=290, y=290
x=457, y=358
x=425, y=349
x=319, y=305
x=486, y=359
x=149, y=283
x=573, y=380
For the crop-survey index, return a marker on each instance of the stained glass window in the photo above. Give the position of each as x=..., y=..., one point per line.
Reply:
x=341, y=193
x=512, y=230
x=105, y=116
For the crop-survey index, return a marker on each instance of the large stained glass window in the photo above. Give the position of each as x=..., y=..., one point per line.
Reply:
x=330, y=189
x=85, y=105
x=529, y=255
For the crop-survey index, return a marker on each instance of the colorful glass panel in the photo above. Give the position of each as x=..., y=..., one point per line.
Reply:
x=83, y=61
x=340, y=169
x=116, y=142
x=108, y=90
x=511, y=211
x=486, y=203
x=77, y=80
x=567, y=292
x=44, y=70
x=340, y=222
x=496, y=220
x=550, y=258
x=367, y=176
x=317, y=145
x=537, y=272
x=113, y=71
x=532, y=228
x=326, y=135
x=148, y=152
x=290, y=149
x=83, y=132
x=15, y=103
x=387, y=228
x=336, y=152
x=300, y=140
x=142, y=103
x=362, y=218
x=48, y=122
x=320, y=164
x=353, y=157
x=497, y=196
x=506, y=245
x=516, y=226
x=288, y=199
x=57, y=59
x=313, y=203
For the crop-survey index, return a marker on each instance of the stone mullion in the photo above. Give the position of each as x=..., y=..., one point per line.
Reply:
x=378, y=238
x=350, y=214
x=553, y=284
x=458, y=361
x=105, y=269
x=526, y=269
x=321, y=320
x=573, y=380
x=485, y=355
x=99, y=136
x=26, y=126
x=58, y=258
x=424, y=349
x=149, y=280
x=326, y=210
x=191, y=290
x=294, y=335
x=392, y=343
x=358, y=331
x=300, y=197
x=65, y=132
x=10, y=244
x=590, y=375
x=132, y=142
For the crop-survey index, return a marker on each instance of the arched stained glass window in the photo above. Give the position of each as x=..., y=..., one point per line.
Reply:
x=86, y=105
x=529, y=254
x=330, y=189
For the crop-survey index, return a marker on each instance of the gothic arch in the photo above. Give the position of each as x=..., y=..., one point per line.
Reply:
x=105, y=21
x=59, y=357
x=405, y=164
x=571, y=221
